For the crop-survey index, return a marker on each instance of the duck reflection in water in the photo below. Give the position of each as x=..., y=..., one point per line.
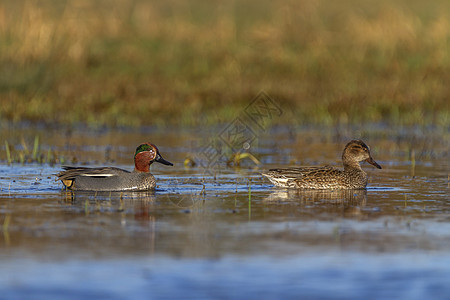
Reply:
x=349, y=200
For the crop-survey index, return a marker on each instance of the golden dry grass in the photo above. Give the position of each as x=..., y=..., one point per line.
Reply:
x=188, y=62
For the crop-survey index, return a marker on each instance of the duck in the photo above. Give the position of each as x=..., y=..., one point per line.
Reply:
x=115, y=179
x=328, y=177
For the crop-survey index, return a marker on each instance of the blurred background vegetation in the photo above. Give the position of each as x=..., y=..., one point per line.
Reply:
x=142, y=62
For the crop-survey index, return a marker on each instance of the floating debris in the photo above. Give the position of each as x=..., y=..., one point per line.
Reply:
x=236, y=159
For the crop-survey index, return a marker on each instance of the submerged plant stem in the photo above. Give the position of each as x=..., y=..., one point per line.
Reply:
x=249, y=200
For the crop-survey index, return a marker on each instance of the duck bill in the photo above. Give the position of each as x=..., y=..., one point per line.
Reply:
x=372, y=162
x=163, y=161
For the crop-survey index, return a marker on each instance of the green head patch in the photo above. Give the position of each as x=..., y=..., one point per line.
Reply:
x=143, y=148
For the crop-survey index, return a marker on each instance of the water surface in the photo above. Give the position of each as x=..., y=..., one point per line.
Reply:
x=224, y=231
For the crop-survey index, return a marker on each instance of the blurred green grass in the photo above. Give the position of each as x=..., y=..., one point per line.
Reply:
x=132, y=63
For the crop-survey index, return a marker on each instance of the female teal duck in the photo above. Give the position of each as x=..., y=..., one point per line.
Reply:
x=326, y=177
x=115, y=179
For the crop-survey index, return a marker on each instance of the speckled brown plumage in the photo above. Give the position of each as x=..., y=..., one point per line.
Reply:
x=326, y=177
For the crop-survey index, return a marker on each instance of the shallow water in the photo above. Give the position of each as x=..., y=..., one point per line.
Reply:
x=225, y=232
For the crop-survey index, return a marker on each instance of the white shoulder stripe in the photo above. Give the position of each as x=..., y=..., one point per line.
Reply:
x=98, y=175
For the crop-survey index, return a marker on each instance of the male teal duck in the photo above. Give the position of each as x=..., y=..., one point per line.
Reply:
x=115, y=179
x=326, y=177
